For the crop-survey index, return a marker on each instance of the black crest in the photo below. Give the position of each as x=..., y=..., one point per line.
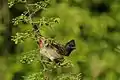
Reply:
x=70, y=46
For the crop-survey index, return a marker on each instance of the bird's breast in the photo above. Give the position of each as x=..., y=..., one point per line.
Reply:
x=50, y=53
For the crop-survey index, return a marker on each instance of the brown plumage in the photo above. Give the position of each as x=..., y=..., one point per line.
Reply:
x=54, y=50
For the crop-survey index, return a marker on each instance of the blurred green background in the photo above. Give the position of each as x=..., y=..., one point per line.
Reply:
x=93, y=24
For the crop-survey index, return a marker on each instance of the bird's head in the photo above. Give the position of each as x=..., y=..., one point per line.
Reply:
x=41, y=42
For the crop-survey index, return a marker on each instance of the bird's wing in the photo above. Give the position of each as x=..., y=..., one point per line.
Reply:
x=59, y=48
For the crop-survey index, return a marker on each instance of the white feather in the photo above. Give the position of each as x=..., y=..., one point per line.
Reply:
x=50, y=53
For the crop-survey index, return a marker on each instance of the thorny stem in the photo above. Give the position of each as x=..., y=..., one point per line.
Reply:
x=37, y=36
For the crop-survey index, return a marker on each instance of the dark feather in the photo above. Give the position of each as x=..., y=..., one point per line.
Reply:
x=64, y=50
x=59, y=48
x=69, y=47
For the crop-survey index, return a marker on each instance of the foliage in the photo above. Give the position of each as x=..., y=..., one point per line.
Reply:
x=94, y=24
x=29, y=57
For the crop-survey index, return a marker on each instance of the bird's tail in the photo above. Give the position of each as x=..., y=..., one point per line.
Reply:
x=70, y=46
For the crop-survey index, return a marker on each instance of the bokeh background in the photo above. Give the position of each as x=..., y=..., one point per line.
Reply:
x=93, y=24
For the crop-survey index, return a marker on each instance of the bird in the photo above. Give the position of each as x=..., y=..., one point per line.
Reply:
x=55, y=51
x=52, y=49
